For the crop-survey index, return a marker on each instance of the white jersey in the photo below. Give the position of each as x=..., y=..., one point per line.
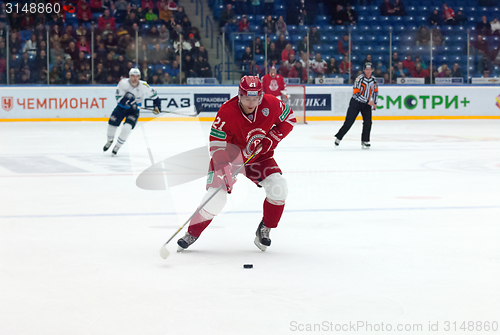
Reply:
x=141, y=92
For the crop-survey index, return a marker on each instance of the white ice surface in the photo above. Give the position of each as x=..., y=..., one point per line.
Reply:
x=404, y=233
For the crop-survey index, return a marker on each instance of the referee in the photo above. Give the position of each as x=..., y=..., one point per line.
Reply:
x=364, y=99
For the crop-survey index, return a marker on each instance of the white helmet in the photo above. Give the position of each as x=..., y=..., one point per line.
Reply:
x=134, y=72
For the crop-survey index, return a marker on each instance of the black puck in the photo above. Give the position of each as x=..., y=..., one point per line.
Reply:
x=247, y=266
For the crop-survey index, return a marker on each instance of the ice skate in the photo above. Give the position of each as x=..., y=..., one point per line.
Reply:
x=365, y=145
x=107, y=145
x=337, y=142
x=115, y=150
x=185, y=241
x=262, y=240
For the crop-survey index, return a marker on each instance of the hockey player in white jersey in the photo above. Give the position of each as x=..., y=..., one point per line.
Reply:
x=130, y=95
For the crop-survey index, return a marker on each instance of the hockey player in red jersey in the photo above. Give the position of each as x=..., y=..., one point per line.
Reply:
x=274, y=84
x=244, y=123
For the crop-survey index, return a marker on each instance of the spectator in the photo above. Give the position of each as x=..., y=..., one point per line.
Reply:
x=302, y=46
x=345, y=67
x=152, y=35
x=30, y=45
x=318, y=65
x=68, y=79
x=174, y=70
x=352, y=16
x=179, y=14
x=423, y=36
x=41, y=77
x=434, y=19
x=281, y=28
x=188, y=66
x=344, y=46
x=484, y=64
x=25, y=62
x=339, y=16
x=195, y=45
x=172, y=6
x=460, y=19
x=72, y=51
x=273, y=55
x=147, y=4
x=100, y=74
x=156, y=55
x=281, y=44
x=96, y=6
x=256, y=7
x=268, y=25
x=456, y=72
x=419, y=61
x=226, y=16
x=443, y=71
x=381, y=67
x=287, y=66
x=298, y=71
x=41, y=58
x=164, y=34
x=56, y=54
x=84, y=15
x=186, y=25
x=401, y=72
x=257, y=46
x=151, y=17
x=495, y=27
x=437, y=37
x=246, y=58
x=332, y=67
x=368, y=59
x=15, y=42
x=111, y=44
x=480, y=46
x=232, y=26
x=164, y=14
x=485, y=74
x=418, y=72
x=202, y=68
x=24, y=78
x=81, y=31
x=104, y=20
x=448, y=15
x=27, y=22
x=240, y=6
x=408, y=63
x=244, y=25
x=399, y=8
x=314, y=36
x=286, y=52
x=387, y=8
x=82, y=45
x=483, y=27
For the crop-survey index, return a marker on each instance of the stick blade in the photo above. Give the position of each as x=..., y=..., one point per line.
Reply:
x=164, y=253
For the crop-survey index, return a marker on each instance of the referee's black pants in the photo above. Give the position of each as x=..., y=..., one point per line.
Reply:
x=356, y=107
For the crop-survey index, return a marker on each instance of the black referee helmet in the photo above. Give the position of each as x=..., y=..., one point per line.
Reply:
x=367, y=65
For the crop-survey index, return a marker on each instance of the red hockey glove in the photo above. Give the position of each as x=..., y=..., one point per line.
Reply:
x=270, y=142
x=224, y=176
x=222, y=169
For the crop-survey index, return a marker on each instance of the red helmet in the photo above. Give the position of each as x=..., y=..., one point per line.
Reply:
x=250, y=86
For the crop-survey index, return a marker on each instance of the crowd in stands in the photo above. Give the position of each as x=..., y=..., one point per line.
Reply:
x=314, y=35
x=112, y=26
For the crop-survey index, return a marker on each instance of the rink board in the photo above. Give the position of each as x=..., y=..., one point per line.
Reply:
x=95, y=103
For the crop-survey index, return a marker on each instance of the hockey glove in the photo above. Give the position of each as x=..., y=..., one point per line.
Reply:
x=224, y=175
x=270, y=142
x=128, y=101
x=157, y=108
x=222, y=169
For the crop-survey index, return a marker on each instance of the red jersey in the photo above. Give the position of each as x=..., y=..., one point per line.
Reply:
x=232, y=126
x=272, y=85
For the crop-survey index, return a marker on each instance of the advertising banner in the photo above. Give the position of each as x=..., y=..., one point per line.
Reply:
x=97, y=102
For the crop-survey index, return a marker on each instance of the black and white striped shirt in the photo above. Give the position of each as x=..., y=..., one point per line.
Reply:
x=365, y=89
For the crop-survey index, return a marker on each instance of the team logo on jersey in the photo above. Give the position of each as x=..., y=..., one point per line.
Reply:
x=273, y=85
x=253, y=139
x=7, y=103
x=265, y=111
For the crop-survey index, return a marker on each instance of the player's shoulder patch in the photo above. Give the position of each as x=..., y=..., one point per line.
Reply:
x=145, y=83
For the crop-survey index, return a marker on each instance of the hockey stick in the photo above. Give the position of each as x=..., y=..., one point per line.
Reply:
x=193, y=113
x=164, y=253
